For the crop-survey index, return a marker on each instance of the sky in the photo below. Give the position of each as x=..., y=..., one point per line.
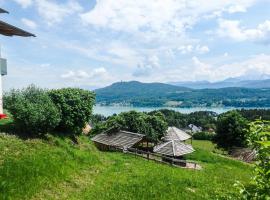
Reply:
x=91, y=44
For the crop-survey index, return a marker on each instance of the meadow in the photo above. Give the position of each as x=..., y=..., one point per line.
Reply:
x=56, y=168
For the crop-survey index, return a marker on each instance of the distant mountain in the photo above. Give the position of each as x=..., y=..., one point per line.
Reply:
x=231, y=82
x=159, y=94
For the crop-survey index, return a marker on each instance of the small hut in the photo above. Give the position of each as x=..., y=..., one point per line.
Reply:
x=173, y=148
x=174, y=133
x=117, y=140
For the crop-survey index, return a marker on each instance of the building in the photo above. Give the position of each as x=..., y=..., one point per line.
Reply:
x=119, y=139
x=174, y=133
x=8, y=30
x=173, y=148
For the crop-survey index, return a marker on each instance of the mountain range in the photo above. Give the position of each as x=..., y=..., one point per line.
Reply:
x=159, y=94
x=262, y=82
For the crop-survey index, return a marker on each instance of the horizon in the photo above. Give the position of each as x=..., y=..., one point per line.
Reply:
x=93, y=44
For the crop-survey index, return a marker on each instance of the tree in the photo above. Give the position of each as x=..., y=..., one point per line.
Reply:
x=231, y=130
x=152, y=126
x=33, y=111
x=259, y=139
x=75, y=106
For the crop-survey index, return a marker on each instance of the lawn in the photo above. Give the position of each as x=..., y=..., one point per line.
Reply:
x=58, y=169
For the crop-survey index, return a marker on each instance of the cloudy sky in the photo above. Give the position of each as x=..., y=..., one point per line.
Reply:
x=91, y=43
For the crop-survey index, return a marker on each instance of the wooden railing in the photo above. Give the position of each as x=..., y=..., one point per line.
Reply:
x=160, y=158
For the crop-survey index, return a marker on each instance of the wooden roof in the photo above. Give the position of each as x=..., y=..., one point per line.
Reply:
x=173, y=148
x=174, y=133
x=10, y=30
x=3, y=11
x=123, y=139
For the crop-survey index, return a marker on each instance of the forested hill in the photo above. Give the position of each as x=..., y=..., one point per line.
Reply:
x=158, y=94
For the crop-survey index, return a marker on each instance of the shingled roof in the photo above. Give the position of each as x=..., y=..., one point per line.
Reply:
x=174, y=133
x=173, y=148
x=122, y=139
x=10, y=30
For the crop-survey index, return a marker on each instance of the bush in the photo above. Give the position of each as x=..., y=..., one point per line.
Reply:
x=203, y=135
x=259, y=141
x=75, y=106
x=231, y=130
x=32, y=109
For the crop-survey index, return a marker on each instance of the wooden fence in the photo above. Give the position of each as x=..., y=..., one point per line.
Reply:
x=161, y=158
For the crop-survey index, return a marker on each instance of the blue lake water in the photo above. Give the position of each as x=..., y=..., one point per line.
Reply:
x=110, y=110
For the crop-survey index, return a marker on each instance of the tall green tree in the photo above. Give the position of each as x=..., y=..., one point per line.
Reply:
x=231, y=130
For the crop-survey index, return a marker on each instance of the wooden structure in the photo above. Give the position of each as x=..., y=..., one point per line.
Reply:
x=8, y=30
x=173, y=148
x=174, y=133
x=118, y=140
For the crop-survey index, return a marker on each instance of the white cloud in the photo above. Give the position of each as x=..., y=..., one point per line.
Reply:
x=233, y=30
x=202, y=49
x=31, y=24
x=54, y=12
x=258, y=64
x=157, y=16
x=24, y=3
x=185, y=49
x=81, y=75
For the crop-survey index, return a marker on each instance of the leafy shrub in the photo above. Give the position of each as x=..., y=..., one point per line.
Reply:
x=203, y=135
x=231, y=130
x=259, y=140
x=32, y=109
x=75, y=106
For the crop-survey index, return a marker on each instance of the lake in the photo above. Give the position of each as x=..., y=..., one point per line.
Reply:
x=110, y=110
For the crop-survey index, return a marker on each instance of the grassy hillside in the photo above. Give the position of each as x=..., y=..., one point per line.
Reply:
x=57, y=169
x=158, y=94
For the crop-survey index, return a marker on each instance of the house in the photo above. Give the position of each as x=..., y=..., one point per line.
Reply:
x=8, y=30
x=194, y=128
x=174, y=133
x=173, y=148
x=117, y=140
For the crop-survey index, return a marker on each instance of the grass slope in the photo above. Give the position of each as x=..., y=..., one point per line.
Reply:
x=58, y=169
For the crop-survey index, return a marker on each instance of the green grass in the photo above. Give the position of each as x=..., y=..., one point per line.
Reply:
x=58, y=169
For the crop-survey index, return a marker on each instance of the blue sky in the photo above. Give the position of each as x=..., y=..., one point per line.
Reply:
x=90, y=44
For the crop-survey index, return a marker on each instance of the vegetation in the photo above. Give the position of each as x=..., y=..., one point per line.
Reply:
x=204, y=135
x=153, y=126
x=55, y=168
x=32, y=109
x=158, y=94
x=259, y=139
x=75, y=106
x=204, y=119
x=231, y=130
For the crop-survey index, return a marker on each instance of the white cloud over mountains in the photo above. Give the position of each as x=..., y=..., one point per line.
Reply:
x=148, y=40
x=233, y=29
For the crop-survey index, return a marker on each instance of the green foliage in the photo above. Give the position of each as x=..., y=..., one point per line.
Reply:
x=255, y=114
x=259, y=140
x=32, y=109
x=153, y=126
x=231, y=130
x=204, y=135
x=75, y=106
x=204, y=119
